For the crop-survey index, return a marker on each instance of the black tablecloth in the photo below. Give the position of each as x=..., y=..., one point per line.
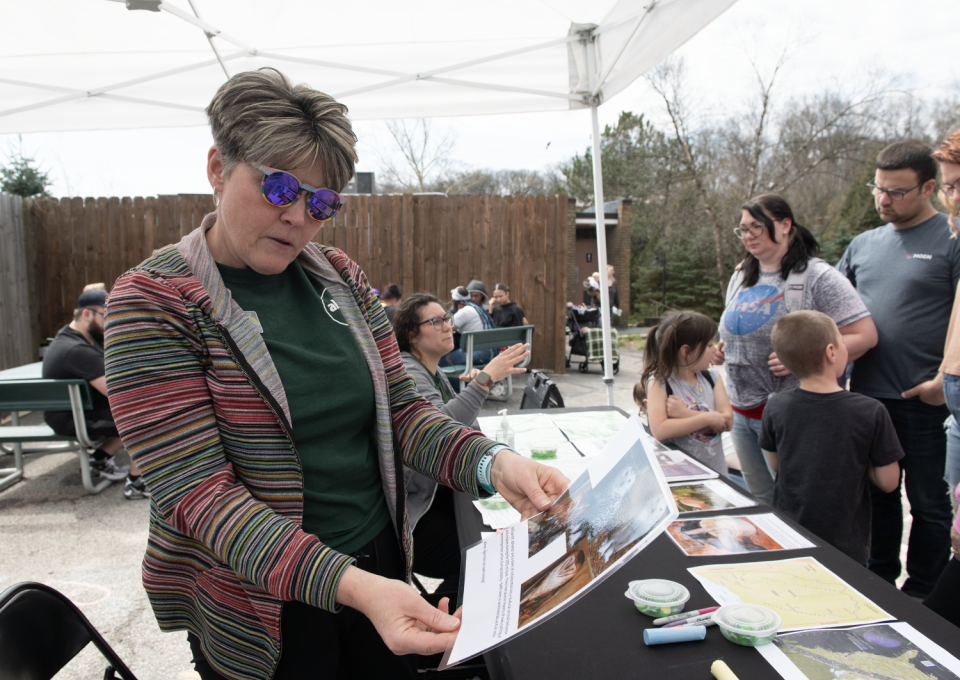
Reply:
x=601, y=635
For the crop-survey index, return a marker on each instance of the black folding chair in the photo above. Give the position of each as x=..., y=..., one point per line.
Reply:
x=540, y=392
x=41, y=631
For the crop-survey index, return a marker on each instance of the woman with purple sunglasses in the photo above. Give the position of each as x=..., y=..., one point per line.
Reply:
x=256, y=381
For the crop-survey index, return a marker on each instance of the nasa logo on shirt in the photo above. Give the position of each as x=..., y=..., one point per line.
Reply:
x=332, y=309
x=751, y=309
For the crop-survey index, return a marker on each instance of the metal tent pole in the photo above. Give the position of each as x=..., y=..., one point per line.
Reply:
x=601, y=222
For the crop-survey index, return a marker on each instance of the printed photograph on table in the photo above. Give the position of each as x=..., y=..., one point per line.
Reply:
x=707, y=495
x=803, y=592
x=732, y=535
x=887, y=650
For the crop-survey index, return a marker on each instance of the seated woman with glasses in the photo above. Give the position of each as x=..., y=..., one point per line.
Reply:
x=425, y=334
x=256, y=381
x=778, y=249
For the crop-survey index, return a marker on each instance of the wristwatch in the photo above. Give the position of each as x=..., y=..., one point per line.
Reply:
x=484, y=380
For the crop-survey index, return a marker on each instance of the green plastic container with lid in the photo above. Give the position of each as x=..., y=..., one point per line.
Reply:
x=495, y=502
x=749, y=625
x=657, y=597
x=543, y=452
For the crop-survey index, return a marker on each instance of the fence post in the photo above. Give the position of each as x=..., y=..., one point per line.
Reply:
x=16, y=347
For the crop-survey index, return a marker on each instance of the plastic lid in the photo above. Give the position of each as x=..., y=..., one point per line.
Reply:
x=658, y=592
x=751, y=619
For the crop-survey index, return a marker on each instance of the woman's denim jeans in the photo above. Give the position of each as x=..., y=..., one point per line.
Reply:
x=951, y=391
x=753, y=461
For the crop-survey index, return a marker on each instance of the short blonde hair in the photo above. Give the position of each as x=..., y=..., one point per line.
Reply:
x=261, y=117
x=800, y=340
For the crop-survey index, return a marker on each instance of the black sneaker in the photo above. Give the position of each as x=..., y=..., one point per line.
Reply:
x=108, y=469
x=133, y=490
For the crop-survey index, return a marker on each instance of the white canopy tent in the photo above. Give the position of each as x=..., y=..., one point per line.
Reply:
x=92, y=64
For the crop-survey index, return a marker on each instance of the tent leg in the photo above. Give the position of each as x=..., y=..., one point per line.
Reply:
x=602, y=256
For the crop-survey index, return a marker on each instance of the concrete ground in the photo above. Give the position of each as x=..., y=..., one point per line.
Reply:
x=90, y=547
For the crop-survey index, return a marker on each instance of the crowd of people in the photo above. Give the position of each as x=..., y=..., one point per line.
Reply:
x=291, y=478
x=842, y=383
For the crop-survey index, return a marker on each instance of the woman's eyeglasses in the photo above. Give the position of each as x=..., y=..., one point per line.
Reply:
x=753, y=229
x=281, y=189
x=438, y=321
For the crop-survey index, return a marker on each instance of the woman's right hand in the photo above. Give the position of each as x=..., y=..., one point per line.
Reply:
x=504, y=364
x=406, y=622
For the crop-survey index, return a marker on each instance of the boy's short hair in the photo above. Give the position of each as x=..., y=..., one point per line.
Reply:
x=801, y=338
x=909, y=154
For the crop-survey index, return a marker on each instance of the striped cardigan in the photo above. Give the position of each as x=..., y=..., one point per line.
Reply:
x=200, y=407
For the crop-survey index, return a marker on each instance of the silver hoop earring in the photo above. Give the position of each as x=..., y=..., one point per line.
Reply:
x=216, y=199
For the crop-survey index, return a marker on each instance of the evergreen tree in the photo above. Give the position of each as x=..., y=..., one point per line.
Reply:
x=21, y=177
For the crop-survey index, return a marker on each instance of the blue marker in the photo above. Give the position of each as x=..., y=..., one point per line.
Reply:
x=662, y=636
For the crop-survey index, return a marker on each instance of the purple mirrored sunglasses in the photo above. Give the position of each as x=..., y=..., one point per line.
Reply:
x=281, y=189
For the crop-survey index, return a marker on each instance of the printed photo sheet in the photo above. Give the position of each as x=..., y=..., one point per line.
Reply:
x=730, y=535
x=707, y=495
x=532, y=570
x=885, y=650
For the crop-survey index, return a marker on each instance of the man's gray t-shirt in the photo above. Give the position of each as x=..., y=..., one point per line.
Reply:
x=749, y=319
x=907, y=278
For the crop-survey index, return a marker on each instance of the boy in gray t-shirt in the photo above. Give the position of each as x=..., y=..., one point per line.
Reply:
x=823, y=470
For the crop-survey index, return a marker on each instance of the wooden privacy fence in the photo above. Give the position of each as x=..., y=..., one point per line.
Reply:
x=424, y=243
x=17, y=346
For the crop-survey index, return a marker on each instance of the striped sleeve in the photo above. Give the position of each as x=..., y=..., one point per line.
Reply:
x=162, y=373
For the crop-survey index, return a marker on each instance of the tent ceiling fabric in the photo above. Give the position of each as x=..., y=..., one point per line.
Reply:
x=94, y=64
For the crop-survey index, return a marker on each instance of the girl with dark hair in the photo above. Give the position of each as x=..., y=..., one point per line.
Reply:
x=425, y=334
x=780, y=274
x=390, y=298
x=686, y=401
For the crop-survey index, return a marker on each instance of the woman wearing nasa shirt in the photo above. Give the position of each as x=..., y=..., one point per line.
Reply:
x=776, y=247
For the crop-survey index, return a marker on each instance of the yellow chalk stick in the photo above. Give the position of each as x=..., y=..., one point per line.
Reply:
x=721, y=671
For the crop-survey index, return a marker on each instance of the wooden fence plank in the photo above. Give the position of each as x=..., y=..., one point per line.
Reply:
x=406, y=250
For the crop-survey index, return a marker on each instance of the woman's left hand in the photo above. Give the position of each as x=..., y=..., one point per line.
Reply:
x=407, y=623
x=527, y=485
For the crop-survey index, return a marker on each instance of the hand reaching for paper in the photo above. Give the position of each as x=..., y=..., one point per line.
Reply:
x=407, y=623
x=527, y=485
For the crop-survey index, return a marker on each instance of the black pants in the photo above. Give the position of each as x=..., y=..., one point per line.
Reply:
x=920, y=429
x=321, y=644
x=436, y=547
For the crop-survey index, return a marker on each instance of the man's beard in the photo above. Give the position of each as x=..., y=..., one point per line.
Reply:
x=96, y=332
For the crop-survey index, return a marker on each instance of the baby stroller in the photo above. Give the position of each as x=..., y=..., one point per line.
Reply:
x=585, y=338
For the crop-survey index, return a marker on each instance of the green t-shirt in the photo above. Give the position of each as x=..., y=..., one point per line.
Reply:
x=330, y=394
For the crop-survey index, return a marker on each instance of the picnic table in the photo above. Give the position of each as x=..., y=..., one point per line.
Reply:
x=601, y=635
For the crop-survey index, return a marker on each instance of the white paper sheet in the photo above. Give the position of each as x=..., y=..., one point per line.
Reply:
x=534, y=569
x=677, y=465
x=732, y=534
x=897, y=650
x=497, y=518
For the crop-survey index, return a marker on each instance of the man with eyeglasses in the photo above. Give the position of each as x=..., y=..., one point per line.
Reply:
x=77, y=352
x=906, y=272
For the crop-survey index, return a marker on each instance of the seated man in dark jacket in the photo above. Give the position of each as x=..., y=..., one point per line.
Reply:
x=77, y=352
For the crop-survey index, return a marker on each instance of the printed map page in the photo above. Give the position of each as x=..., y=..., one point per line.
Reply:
x=802, y=591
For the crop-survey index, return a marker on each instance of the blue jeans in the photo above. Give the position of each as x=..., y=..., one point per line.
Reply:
x=951, y=390
x=753, y=462
x=920, y=429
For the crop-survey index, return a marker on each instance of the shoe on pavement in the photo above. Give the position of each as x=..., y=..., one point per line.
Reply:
x=108, y=469
x=135, y=489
